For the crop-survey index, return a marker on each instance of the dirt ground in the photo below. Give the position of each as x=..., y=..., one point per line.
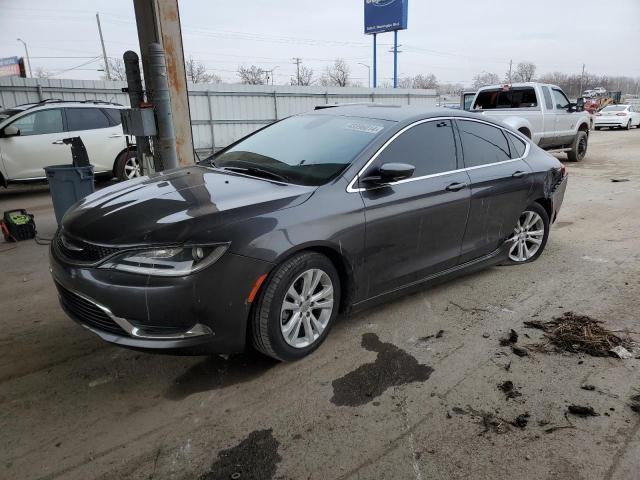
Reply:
x=406, y=390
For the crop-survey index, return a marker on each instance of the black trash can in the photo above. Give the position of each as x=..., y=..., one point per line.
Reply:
x=68, y=184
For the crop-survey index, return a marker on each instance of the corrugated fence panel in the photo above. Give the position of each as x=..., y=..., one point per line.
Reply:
x=221, y=113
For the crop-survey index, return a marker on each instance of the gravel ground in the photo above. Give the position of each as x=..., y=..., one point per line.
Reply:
x=387, y=396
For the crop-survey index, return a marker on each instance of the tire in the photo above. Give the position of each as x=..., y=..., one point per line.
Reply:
x=522, y=235
x=628, y=127
x=579, y=147
x=127, y=165
x=273, y=332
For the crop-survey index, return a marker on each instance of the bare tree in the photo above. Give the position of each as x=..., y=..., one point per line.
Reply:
x=484, y=79
x=197, y=73
x=336, y=75
x=41, y=73
x=116, y=69
x=525, y=72
x=306, y=77
x=425, y=81
x=252, y=75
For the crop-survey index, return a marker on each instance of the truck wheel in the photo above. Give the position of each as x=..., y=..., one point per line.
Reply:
x=579, y=147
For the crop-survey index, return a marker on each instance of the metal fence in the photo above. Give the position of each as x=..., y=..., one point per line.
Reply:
x=221, y=113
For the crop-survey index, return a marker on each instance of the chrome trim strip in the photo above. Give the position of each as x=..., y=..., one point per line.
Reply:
x=197, y=330
x=352, y=189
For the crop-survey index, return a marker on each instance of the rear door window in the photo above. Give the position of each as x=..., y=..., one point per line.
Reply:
x=429, y=146
x=40, y=123
x=482, y=144
x=86, y=119
x=522, y=97
x=518, y=147
x=114, y=115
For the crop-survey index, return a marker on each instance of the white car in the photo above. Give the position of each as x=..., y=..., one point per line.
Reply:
x=619, y=116
x=31, y=139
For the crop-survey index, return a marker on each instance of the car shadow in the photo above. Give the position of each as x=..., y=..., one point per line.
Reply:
x=217, y=372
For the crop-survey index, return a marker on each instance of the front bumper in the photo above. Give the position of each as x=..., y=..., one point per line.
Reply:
x=208, y=308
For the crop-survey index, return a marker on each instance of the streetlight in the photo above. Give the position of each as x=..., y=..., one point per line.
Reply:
x=26, y=50
x=369, y=69
x=271, y=72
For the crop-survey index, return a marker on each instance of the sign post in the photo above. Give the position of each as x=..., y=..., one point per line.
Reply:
x=385, y=16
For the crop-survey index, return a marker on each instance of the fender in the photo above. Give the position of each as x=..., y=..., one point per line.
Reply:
x=518, y=123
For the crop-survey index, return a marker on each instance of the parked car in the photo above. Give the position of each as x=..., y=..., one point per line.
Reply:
x=539, y=111
x=264, y=242
x=589, y=93
x=617, y=116
x=600, y=90
x=31, y=139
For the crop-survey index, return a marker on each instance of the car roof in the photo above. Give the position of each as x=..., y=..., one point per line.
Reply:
x=395, y=113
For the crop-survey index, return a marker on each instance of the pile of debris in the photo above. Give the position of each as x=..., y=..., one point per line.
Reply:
x=579, y=334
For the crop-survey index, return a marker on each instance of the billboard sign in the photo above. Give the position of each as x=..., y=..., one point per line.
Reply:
x=10, y=67
x=385, y=15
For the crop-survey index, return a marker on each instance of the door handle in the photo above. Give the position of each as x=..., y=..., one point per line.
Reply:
x=519, y=174
x=115, y=135
x=57, y=142
x=455, y=186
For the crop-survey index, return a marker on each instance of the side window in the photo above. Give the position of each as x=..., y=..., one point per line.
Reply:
x=86, y=119
x=518, y=147
x=114, y=115
x=429, y=146
x=482, y=144
x=40, y=123
x=560, y=100
x=548, y=102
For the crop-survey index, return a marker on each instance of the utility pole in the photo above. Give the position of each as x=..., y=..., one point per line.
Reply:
x=104, y=51
x=510, y=65
x=26, y=51
x=297, y=61
x=581, y=79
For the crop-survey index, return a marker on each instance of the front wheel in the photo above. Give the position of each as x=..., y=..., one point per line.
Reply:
x=296, y=307
x=579, y=147
x=530, y=235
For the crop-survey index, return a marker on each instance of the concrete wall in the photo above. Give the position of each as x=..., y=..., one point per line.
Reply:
x=221, y=113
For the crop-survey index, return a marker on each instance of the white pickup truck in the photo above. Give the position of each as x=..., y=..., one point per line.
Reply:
x=539, y=111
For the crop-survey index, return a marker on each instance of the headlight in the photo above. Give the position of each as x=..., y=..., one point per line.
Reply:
x=166, y=262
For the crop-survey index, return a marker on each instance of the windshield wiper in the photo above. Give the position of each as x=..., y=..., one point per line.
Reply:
x=258, y=172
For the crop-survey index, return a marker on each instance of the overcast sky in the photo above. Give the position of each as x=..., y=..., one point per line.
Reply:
x=453, y=39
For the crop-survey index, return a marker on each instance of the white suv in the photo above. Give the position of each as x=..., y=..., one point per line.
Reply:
x=31, y=139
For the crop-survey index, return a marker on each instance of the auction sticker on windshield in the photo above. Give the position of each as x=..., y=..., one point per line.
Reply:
x=364, y=127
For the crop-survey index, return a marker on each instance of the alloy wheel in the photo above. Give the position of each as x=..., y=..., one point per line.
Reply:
x=306, y=308
x=132, y=168
x=527, y=237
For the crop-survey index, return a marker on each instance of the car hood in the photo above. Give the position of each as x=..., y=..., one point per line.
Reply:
x=191, y=204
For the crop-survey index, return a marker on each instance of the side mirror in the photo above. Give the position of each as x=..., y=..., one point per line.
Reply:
x=10, y=131
x=390, y=172
x=580, y=104
x=572, y=107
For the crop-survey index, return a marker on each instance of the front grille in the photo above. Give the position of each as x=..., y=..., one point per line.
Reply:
x=87, y=312
x=82, y=251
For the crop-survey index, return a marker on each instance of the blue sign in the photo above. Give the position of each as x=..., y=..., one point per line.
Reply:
x=385, y=15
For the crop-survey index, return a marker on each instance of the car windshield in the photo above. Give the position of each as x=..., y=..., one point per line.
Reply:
x=4, y=114
x=305, y=149
x=615, y=108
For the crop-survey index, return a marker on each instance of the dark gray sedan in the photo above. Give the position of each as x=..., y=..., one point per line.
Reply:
x=266, y=241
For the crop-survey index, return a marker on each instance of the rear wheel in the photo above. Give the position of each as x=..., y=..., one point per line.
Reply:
x=529, y=236
x=127, y=165
x=579, y=147
x=297, y=307
x=628, y=127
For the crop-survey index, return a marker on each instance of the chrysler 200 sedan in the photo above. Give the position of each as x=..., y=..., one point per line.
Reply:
x=264, y=242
